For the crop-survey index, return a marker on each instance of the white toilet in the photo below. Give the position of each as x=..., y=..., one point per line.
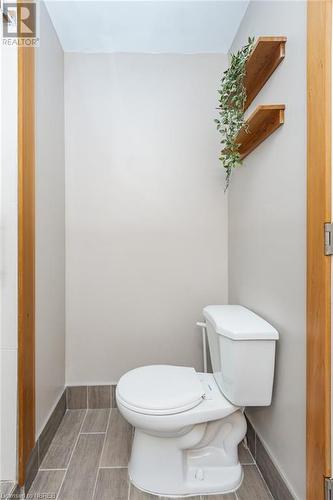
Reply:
x=188, y=425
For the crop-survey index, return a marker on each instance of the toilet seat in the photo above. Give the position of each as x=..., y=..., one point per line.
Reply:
x=212, y=406
x=160, y=389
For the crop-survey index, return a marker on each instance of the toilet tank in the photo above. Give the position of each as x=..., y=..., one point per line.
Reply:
x=242, y=352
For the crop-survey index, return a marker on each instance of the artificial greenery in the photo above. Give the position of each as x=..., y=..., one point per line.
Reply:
x=232, y=98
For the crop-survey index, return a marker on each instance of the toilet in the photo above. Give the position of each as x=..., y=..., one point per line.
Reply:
x=187, y=424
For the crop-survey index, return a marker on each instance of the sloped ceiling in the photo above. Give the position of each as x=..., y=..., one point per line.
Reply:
x=148, y=27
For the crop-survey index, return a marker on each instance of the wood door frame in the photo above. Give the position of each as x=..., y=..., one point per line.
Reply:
x=318, y=425
x=26, y=258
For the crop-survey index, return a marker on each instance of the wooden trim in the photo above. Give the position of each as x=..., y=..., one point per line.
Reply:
x=26, y=256
x=318, y=452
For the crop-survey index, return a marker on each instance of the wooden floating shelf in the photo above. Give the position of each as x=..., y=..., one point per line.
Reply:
x=266, y=55
x=261, y=124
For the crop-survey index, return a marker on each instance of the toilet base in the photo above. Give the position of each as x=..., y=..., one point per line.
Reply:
x=202, y=461
x=237, y=472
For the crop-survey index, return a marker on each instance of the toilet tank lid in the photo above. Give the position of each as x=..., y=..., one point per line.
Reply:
x=239, y=323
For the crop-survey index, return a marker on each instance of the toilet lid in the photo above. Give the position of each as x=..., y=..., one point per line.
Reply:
x=160, y=389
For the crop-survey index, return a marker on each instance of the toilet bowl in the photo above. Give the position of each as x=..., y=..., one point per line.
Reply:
x=182, y=446
x=187, y=424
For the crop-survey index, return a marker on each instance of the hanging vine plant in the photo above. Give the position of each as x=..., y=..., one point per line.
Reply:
x=232, y=98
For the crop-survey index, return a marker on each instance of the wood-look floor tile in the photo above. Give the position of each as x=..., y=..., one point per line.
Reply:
x=251, y=437
x=31, y=468
x=58, y=455
x=77, y=397
x=96, y=421
x=18, y=492
x=244, y=455
x=46, y=484
x=113, y=396
x=82, y=471
x=112, y=483
x=270, y=473
x=118, y=442
x=99, y=396
x=51, y=427
x=253, y=486
x=6, y=487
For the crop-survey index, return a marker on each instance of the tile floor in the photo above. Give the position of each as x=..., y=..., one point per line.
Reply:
x=6, y=488
x=88, y=460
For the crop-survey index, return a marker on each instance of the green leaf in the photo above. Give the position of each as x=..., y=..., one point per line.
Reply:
x=232, y=98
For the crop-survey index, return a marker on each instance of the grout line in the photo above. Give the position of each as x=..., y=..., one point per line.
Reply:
x=114, y=467
x=261, y=476
x=12, y=491
x=256, y=463
x=93, y=432
x=264, y=481
x=100, y=458
x=129, y=489
x=250, y=452
x=84, y=419
x=70, y=458
x=38, y=454
x=96, y=479
x=47, y=470
x=98, y=409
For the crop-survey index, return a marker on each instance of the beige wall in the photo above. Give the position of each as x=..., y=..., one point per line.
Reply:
x=50, y=222
x=267, y=222
x=146, y=217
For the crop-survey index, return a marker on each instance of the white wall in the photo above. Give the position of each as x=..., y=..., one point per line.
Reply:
x=146, y=217
x=8, y=263
x=50, y=222
x=267, y=245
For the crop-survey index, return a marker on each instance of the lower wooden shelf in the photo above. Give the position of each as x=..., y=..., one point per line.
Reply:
x=261, y=124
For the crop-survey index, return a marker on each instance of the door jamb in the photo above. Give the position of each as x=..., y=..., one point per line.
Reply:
x=318, y=411
x=26, y=258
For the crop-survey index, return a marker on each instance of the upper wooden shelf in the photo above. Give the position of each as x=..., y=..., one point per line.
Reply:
x=265, y=57
x=261, y=123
